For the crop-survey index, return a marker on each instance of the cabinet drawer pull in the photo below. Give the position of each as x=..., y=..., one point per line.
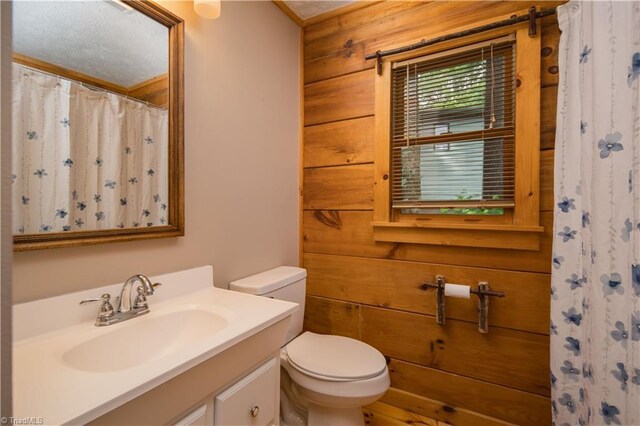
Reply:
x=254, y=411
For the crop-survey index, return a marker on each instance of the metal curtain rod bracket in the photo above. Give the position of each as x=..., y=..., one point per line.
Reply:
x=532, y=17
x=483, y=292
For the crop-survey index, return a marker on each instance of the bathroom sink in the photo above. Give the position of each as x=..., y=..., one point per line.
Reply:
x=69, y=371
x=134, y=342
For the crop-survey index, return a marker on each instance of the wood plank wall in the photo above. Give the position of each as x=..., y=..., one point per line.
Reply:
x=371, y=291
x=155, y=91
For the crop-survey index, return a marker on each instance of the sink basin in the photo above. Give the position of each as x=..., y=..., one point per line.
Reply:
x=69, y=371
x=139, y=340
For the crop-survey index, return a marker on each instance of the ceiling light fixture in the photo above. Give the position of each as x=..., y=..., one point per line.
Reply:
x=209, y=9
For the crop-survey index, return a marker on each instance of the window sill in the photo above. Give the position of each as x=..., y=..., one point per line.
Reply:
x=466, y=235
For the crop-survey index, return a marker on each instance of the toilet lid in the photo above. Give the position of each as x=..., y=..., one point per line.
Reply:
x=335, y=357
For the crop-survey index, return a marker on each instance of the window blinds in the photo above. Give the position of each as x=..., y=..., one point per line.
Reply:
x=452, y=128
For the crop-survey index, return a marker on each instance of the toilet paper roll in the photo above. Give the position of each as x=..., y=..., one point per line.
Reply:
x=457, y=290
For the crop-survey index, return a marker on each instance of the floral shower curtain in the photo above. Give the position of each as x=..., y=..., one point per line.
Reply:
x=595, y=306
x=85, y=159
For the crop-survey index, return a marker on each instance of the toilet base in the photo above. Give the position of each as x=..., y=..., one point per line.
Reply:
x=323, y=416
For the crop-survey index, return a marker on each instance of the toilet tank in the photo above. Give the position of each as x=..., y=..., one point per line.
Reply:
x=282, y=283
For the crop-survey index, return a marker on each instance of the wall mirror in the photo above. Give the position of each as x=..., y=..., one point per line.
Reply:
x=97, y=120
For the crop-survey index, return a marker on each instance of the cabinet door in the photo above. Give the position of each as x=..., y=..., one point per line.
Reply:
x=252, y=401
x=197, y=417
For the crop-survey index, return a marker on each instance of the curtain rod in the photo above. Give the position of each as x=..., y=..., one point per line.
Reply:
x=89, y=86
x=531, y=17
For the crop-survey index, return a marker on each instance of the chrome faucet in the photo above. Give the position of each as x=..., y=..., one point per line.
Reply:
x=124, y=303
x=108, y=315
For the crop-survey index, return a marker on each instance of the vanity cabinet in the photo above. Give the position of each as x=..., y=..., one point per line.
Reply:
x=228, y=385
x=251, y=401
x=197, y=417
x=198, y=344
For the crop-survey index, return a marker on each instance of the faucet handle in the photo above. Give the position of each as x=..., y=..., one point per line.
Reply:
x=105, y=297
x=141, y=299
x=106, y=309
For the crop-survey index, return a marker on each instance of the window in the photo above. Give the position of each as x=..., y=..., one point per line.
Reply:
x=457, y=144
x=452, y=126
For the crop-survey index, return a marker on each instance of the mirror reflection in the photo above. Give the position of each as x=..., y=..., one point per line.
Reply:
x=90, y=118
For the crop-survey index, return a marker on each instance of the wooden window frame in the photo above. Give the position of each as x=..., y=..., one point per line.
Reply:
x=520, y=227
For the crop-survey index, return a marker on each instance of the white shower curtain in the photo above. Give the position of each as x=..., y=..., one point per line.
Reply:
x=85, y=159
x=595, y=307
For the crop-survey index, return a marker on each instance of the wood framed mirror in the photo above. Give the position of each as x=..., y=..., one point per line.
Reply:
x=98, y=123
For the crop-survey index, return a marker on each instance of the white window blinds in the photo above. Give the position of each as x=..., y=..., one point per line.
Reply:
x=453, y=119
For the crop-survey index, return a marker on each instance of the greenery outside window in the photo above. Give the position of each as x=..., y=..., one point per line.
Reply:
x=457, y=143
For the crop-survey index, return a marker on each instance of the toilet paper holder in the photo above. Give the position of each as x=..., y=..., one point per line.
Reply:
x=483, y=292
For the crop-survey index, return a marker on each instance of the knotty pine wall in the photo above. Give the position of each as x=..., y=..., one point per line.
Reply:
x=371, y=291
x=155, y=91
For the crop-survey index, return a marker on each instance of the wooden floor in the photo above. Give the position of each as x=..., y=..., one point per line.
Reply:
x=381, y=414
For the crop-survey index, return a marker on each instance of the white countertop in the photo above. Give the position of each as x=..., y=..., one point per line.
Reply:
x=47, y=387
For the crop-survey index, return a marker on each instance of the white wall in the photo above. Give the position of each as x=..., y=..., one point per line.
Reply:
x=242, y=100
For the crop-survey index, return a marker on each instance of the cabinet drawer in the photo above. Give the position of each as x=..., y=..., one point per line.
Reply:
x=252, y=400
x=197, y=417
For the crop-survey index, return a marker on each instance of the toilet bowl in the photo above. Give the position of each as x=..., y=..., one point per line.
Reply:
x=325, y=379
x=334, y=377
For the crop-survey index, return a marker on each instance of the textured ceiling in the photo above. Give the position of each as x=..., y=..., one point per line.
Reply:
x=309, y=8
x=92, y=37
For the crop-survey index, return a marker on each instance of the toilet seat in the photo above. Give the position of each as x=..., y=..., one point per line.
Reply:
x=334, y=358
x=333, y=392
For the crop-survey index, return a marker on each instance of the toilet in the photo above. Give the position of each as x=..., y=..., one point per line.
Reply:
x=325, y=379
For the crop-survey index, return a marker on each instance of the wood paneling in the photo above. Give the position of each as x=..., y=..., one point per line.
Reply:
x=335, y=188
x=549, y=71
x=350, y=233
x=340, y=98
x=349, y=59
x=407, y=23
x=301, y=152
x=340, y=12
x=548, y=105
x=340, y=143
x=519, y=407
x=327, y=316
x=546, y=181
x=506, y=357
x=155, y=91
x=356, y=19
x=527, y=132
x=351, y=187
x=398, y=285
x=368, y=290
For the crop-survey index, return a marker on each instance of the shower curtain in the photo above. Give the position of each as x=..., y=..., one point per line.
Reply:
x=595, y=306
x=85, y=159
